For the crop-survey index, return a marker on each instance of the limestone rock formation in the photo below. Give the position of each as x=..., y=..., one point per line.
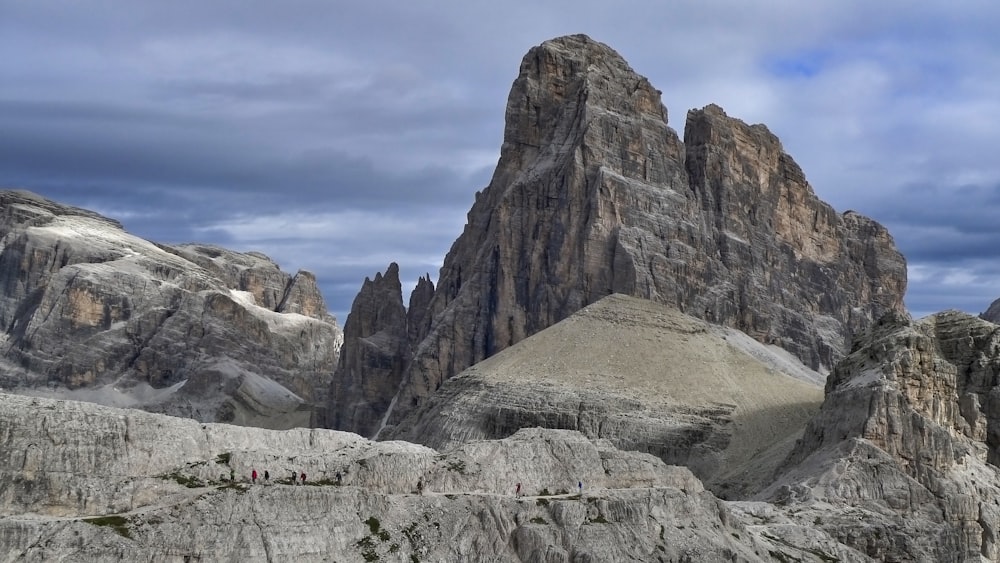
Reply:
x=992, y=313
x=82, y=482
x=901, y=463
x=373, y=356
x=595, y=194
x=90, y=311
x=647, y=378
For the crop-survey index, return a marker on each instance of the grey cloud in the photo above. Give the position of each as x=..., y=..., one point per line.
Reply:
x=184, y=118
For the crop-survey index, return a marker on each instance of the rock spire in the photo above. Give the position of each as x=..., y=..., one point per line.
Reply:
x=595, y=194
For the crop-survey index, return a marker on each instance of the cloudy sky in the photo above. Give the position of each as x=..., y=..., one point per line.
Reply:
x=338, y=136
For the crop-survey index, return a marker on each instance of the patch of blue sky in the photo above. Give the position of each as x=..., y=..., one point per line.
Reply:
x=804, y=64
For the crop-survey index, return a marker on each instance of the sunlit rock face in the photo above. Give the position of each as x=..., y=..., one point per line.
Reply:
x=595, y=193
x=90, y=311
x=82, y=482
x=901, y=462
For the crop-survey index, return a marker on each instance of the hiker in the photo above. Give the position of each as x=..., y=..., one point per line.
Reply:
x=579, y=486
x=420, y=487
x=232, y=475
x=517, y=491
x=295, y=478
x=304, y=478
x=338, y=477
x=253, y=476
x=267, y=477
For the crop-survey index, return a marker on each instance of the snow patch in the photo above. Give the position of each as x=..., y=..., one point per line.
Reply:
x=275, y=321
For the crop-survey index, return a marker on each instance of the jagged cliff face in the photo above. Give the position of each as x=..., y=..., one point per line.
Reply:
x=370, y=370
x=594, y=194
x=194, y=330
x=81, y=482
x=907, y=441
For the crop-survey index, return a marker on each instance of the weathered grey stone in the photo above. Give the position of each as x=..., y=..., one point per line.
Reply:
x=901, y=461
x=595, y=194
x=160, y=489
x=88, y=310
x=373, y=356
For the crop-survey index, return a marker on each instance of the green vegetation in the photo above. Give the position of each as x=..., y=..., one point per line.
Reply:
x=223, y=458
x=538, y=520
x=324, y=482
x=367, y=548
x=599, y=519
x=232, y=485
x=188, y=481
x=542, y=502
x=116, y=523
x=456, y=465
x=544, y=493
x=373, y=524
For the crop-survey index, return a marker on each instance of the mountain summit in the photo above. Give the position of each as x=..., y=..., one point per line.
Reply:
x=595, y=194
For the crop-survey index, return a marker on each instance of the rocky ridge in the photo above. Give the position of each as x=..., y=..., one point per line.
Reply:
x=595, y=194
x=901, y=462
x=83, y=482
x=90, y=311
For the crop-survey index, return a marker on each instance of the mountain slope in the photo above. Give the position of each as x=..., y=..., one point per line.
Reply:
x=90, y=311
x=642, y=375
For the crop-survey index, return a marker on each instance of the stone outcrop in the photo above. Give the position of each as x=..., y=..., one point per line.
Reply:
x=901, y=463
x=83, y=482
x=643, y=376
x=595, y=194
x=88, y=310
x=373, y=357
x=992, y=313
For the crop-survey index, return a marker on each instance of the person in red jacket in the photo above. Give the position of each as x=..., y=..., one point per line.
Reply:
x=303, y=477
x=253, y=475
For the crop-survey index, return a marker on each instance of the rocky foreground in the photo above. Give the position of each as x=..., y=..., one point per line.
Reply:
x=898, y=464
x=81, y=482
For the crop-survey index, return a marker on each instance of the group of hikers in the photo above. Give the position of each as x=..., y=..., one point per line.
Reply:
x=267, y=477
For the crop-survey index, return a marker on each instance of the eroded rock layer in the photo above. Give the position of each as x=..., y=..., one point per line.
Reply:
x=90, y=311
x=81, y=482
x=595, y=194
x=901, y=461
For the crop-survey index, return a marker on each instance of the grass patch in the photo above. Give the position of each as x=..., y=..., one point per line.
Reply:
x=373, y=524
x=324, y=482
x=367, y=549
x=116, y=523
x=544, y=493
x=223, y=458
x=234, y=486
x=188, y=481
x=456, y=465
x=599, y=519
x=542, y=502
x=538, y=520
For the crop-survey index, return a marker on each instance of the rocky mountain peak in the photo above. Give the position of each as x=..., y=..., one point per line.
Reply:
x=90, y=311
x=595, y=194
x=371, y=366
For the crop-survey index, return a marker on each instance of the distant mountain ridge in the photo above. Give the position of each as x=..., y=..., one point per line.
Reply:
x=90, y=311
x=595, y=194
